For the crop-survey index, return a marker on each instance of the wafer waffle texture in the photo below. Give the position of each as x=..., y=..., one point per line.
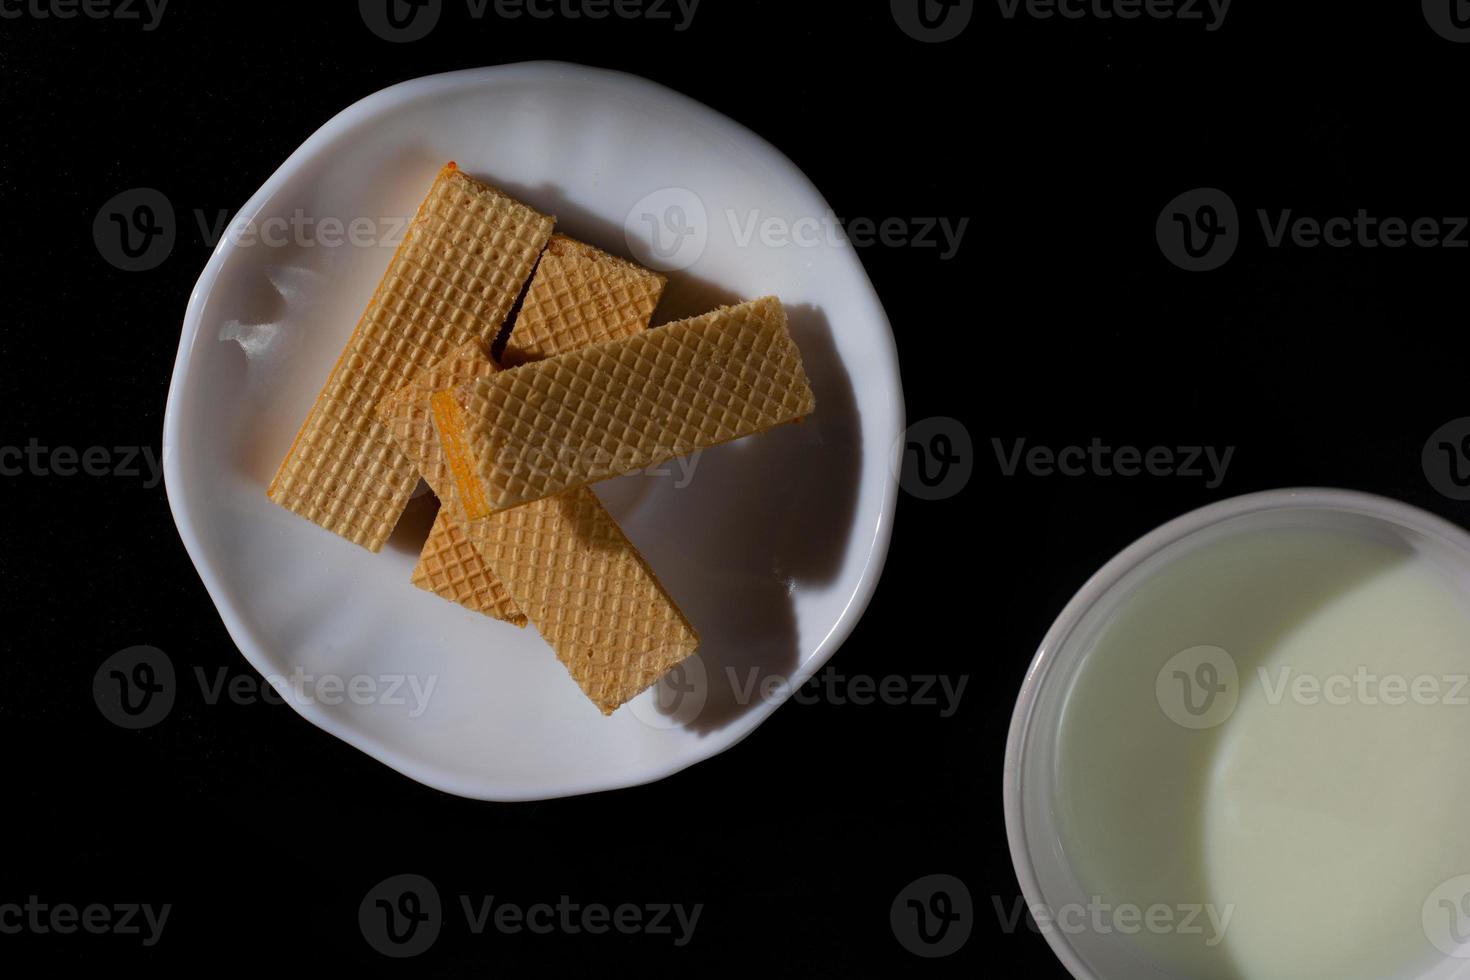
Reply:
x=591, y=595
x=451, y=567
x=618, y=407
x=454, y=278
x=579, y=295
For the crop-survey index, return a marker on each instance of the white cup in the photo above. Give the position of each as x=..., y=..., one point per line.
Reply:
x=1047, y=879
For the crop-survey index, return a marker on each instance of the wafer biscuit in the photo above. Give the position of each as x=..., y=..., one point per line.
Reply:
x=451, y=567
x=580, y=296
x=454, y=278
x=604, y=411
x=583, y=584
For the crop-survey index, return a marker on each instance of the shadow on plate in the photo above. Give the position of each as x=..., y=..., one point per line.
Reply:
x=758, y=520
x=413, y=527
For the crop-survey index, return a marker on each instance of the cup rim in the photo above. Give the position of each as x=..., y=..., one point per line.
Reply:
x=1110, y=574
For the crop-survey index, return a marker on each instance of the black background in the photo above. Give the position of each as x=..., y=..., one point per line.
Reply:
x=1059, y=321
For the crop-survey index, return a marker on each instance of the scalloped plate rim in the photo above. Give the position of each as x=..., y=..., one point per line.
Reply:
x=241, y=632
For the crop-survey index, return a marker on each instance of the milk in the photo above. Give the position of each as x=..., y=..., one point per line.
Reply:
x=1309, y=818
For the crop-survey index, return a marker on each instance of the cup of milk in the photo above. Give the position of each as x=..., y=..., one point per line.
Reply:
x=1242, y=752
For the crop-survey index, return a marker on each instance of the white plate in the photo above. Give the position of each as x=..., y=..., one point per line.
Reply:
x=772, y=548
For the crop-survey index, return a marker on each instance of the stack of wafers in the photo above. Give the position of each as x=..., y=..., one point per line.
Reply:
x=581, y=392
